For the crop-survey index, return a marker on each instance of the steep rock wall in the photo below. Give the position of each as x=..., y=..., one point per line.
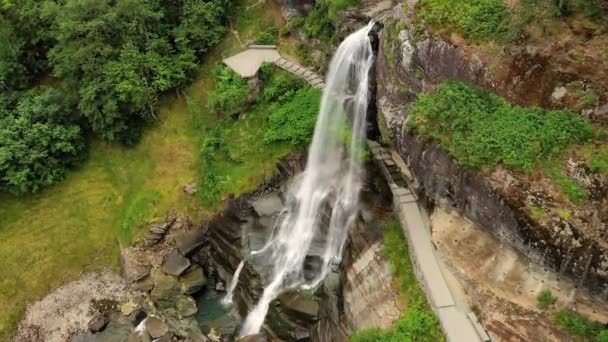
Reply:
x=410, y=63
x=358, y=295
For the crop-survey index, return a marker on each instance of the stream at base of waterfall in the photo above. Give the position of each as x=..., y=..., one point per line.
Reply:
x=323, y=201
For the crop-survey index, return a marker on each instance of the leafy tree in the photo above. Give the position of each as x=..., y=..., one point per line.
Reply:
x=11, y=70
x=39, y=141
x=230, y=93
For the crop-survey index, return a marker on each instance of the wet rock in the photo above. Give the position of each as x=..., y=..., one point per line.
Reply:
x=98, y=323
x=220, y=286
x=137, y=316
x=193, y=280
x=301, y=304
x=175, y=264
x=268, y=205
x=188, y=241
x=133, y=267
x=185, y=306
x=254, y=338
x=156, y=328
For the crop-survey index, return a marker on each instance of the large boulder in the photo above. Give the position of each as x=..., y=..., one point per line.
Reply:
x=185, y=306
x=188, y=241
x=133, y=267
x=165, y=286
x=175, y=264
x=155, y=327
x=193, y=280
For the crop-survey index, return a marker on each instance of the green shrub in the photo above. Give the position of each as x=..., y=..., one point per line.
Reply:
x=230, y=93
x=545, y=299
x=599, y=161
x=318, y=23
x=475, y=19
x=268, y=37
x=294, y=119
x=39, y=141
x=578, y=325
x=480, y=129
x=266, y=71
x=590, y=8
x=282, y=88
x=296, y=22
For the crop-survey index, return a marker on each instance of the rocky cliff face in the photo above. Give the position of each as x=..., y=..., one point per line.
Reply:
x=411, y=62
x=355, y=296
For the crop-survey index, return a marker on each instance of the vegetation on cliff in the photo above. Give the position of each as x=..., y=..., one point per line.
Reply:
x=485, y=20
x=279, y=119
x=482, y=131
x=418, y=322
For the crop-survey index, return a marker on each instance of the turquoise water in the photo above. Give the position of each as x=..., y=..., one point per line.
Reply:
x=213, y=314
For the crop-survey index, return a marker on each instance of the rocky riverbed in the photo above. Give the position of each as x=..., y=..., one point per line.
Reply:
x=174, y=278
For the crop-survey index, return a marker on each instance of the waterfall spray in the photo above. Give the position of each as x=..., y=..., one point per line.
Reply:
x=323, y=203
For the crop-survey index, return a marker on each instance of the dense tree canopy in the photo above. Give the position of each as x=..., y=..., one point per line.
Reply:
x=114, y=58
x=39, y=140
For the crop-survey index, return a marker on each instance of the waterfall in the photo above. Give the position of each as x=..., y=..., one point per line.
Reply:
x=323, y=202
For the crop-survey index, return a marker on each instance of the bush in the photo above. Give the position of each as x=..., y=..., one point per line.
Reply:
x=578, y=325
x=545, y=299
x=282, y=88
x=266, y=71
x=480, y=129
x=268, y=37
x=318, y=23
x=39, y=141
x=475, y=19
x=230, y=93
x=294, y=119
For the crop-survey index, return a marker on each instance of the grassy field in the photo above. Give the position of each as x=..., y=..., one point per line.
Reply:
x=77, y=226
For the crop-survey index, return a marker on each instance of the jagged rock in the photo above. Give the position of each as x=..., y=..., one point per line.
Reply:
x=220, y=287
x=175, y=264
x=190, y=188
x=145, y=284
x=301, y=304
x=189, y=240
x=296, y=8
x=193, y=280
x=98, y=323
x=267, y=205
x=185, y=305
x=213, y=336
x=156, y=327
x=133, y=268
x=165, y=286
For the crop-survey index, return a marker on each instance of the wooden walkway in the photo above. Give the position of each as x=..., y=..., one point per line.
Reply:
x=248, y=62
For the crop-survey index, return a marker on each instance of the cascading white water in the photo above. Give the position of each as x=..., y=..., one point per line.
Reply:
x=331, y=181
